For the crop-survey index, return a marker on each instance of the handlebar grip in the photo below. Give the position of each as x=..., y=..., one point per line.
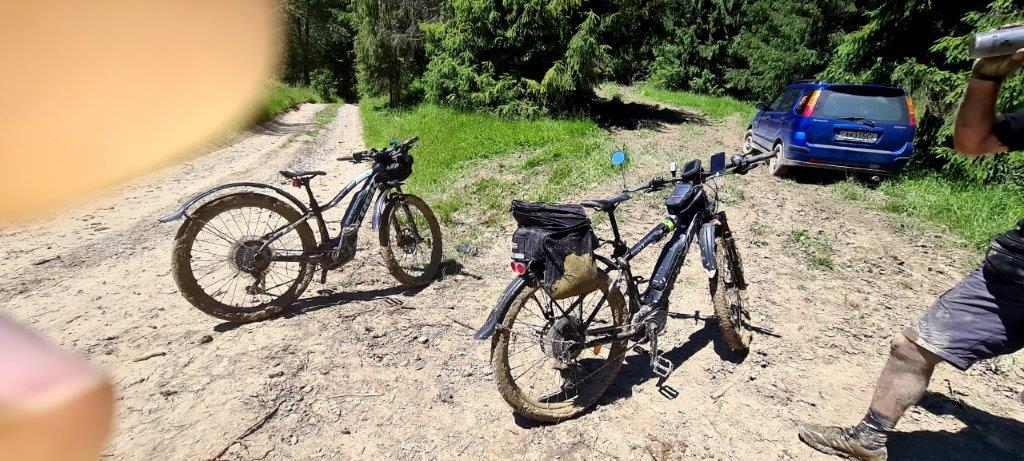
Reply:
x=411, y=141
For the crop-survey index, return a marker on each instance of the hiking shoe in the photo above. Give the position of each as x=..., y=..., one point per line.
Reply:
x=840, y=441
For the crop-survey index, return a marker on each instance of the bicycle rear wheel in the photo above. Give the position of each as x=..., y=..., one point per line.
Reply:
x=538, y=366
x=222, y=266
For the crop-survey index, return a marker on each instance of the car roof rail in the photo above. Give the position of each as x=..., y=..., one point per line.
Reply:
x=812, y=81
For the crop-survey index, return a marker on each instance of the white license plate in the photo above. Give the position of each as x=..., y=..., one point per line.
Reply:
x=857, y=136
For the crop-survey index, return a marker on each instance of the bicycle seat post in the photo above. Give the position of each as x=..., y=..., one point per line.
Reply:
x=619, y=246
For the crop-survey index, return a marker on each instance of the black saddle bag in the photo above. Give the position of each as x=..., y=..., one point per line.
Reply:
x=561, y=240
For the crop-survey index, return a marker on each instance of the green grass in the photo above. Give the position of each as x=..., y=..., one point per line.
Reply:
x=717, y=107
x=281, y=97
x=974, y=212
x=816, y=249
x=469, y=165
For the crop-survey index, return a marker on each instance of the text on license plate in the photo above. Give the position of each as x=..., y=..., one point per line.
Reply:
x=857, y=136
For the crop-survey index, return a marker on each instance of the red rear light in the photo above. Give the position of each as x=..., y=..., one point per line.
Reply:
x=518, y=267
x=809, y=108
x=910, y=110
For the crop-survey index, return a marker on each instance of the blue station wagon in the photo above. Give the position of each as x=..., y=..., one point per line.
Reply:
x=856, y=128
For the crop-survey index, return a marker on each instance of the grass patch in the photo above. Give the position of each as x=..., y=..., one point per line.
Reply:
x=282, y=97
x=852, y=190
x=816, y=249
x=321, y=120
x=974, y=212
x=469, y=165
x=718, y=107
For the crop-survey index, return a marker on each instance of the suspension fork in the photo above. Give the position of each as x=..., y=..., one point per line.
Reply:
x=408, y=215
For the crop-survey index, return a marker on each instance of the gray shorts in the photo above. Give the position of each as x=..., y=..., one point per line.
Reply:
x=980, y=318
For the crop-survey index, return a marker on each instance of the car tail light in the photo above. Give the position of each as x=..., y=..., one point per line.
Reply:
x=910, y=110
x=518, y=267
x=811, y=102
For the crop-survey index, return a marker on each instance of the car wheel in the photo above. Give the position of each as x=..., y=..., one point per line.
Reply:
x=748, y=143
x=775, y=165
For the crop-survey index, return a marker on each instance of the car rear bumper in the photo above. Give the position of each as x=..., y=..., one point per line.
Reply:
x=849, y=159
x=851, y=169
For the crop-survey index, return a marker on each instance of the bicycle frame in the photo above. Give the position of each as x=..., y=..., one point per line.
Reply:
x=663, y=277
x=353, y=218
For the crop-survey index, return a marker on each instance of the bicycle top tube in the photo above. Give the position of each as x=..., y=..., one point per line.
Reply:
x=348, y=188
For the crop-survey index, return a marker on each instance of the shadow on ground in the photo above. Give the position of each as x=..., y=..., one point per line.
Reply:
x=617, y=114
x=827, y=177
x=986, y=436
x=328, y=299
x=636, y=368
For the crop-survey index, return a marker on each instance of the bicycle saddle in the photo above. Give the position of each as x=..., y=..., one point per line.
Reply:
x=606, y=204
x=300, y=175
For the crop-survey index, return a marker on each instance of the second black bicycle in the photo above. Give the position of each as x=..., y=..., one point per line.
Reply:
x=247, y=255
x=554, y=358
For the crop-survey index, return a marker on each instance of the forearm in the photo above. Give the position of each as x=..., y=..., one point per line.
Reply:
x=972, y=133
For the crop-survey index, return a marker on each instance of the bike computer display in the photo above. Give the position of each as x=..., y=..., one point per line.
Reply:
x=718, y=163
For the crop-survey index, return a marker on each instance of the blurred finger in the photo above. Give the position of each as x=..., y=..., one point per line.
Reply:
x=95, y=93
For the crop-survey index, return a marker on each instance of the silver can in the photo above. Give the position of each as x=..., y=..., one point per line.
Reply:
x=999, y=42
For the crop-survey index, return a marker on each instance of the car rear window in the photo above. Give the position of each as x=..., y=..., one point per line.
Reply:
x=872, y=103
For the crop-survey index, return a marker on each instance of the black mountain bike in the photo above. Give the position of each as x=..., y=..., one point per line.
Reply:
x=554, y=359
x=246, y=256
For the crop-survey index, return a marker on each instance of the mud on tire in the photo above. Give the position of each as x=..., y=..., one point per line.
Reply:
x=558, y=411
x=729, y=299
x=182, y=258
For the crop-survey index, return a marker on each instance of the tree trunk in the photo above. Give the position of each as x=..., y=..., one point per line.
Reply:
x=305, y=47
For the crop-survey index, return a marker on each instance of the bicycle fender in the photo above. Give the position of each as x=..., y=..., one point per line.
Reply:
x=706, y=239
x=500, y=309
x=378, y=207
x=183, y=210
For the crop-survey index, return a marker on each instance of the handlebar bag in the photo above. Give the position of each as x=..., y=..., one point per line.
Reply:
x=561, y=238
x=395, y=166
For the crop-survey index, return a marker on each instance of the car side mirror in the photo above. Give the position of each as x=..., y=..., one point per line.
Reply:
x=761, y=106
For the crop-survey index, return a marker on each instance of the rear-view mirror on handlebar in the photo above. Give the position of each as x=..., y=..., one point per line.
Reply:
x=717, y=163
x=618, y=158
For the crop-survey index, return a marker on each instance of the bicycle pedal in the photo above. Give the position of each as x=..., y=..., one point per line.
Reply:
x=662, y=366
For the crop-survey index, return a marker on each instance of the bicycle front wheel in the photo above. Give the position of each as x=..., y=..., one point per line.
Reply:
x=410, y=241
x=730, y=297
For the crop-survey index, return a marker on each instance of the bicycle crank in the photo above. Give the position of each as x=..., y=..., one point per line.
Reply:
x=659, y=364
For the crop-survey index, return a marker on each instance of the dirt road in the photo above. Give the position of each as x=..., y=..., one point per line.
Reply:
x=363, y=369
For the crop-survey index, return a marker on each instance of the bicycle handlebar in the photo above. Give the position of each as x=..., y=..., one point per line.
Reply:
x=364, y=155
x=745, y=164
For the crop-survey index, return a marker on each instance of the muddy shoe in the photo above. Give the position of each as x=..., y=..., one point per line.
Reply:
x=839, y=441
